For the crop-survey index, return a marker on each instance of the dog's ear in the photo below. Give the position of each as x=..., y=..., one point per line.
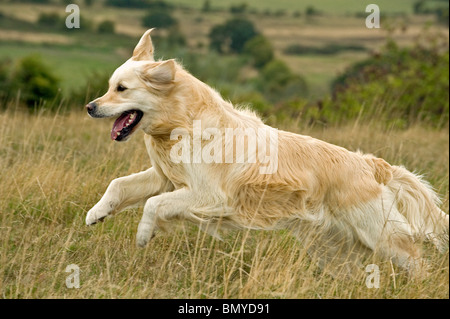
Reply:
x=159, y=77
x=144, y=49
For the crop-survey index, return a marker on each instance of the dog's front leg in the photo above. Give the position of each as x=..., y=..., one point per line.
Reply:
x=128, y=191
x=179, y=204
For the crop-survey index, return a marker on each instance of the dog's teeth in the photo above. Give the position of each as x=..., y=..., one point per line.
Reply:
x=118, y=133
x=132, y=116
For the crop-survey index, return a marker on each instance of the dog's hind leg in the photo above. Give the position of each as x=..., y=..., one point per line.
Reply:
x=128, y=191
x=332, y=246
x=380, y=226
x=180, y=204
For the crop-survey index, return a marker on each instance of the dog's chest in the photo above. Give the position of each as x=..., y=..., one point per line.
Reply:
x=159, y=154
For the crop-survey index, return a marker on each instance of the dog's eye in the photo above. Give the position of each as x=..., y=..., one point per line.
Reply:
x=121, y=88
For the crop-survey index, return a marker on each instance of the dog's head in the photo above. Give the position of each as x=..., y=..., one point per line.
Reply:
x=135, y=91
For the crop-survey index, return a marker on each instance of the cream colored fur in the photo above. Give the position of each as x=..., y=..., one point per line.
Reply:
x=340, y=204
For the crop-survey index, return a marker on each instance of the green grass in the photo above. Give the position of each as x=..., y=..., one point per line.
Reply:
x=320, y=70
x=74, y=55
x=71, y=64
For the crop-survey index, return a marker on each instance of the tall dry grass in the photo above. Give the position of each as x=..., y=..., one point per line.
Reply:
x=54, y=167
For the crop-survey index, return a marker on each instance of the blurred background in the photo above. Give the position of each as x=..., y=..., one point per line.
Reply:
x=302, y=60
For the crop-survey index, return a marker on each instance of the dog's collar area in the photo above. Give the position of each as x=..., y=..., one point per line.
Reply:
x=124, y=125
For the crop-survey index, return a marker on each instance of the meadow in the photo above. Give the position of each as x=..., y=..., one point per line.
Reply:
x=55, y=164
x=54, y=167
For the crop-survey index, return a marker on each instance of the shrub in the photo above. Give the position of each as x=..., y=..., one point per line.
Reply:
x=35, y=81
x=254, y=100
x=4, y=80
x=218, y=38
x=232, y=35
x=52, y=20
x=159, y=19
x=277, y=82
x=298, y=49
x=276, y=71
x=404, y=85
x=439, y=8
x=311, y=11
x=85, y=25
x=106, y=26
x=260, y=50
x=206, y=7
x=238, y=8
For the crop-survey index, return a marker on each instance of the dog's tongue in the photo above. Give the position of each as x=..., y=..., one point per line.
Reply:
x=119, y=124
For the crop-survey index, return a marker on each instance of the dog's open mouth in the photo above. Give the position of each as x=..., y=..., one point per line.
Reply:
x=125, y=125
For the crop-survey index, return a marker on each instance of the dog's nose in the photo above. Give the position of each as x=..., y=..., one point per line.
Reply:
x=90, y=107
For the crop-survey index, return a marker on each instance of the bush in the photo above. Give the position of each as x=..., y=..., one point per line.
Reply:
x=52, y=20
x=439, y=8
x=55, y=22
x=232, y=35
x=206, y=7
x=218, y=37
x=311, y=11
x=254, y=100
x=35, y=81
x=298, y=49
x=260, y=50
x=238, y=8
x=278, y=83
x=159, y=19
x=4, y=80
x=403, y=85
x=106, y=26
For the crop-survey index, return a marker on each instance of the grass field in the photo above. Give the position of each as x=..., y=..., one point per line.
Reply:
x=59, y=166
x=79, y=63
x=54, y=166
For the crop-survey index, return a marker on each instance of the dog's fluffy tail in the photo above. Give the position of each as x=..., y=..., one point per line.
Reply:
x=417, y=201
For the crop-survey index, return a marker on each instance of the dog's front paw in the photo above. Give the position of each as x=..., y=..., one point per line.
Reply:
x=94, y=216
x=144, y=234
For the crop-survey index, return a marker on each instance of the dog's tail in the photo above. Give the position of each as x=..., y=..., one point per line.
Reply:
x=419, y=203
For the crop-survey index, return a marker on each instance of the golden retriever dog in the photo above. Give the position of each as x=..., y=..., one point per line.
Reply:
x=220, y=166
